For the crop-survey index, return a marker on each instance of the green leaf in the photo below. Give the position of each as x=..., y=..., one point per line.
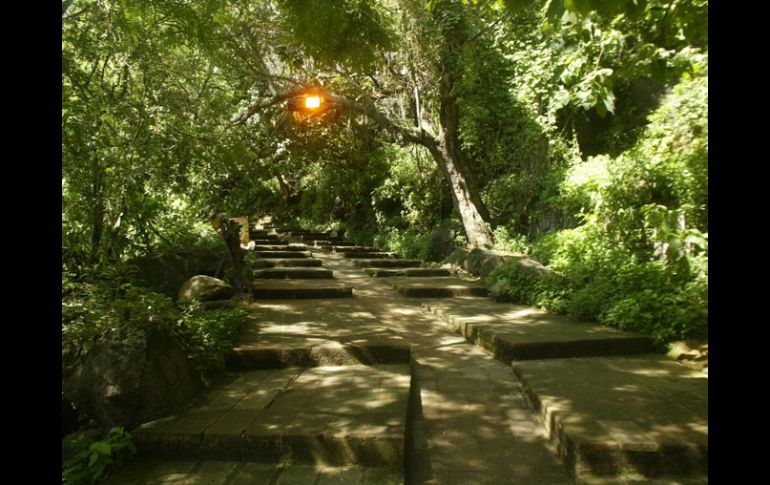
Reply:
x=514, y=6
x=582, y=7
x=634, y=8
x=101, y=448
x=555, y=10
x=607, y=8
x=608, y=100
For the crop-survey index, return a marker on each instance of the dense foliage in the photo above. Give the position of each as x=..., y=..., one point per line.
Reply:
x=96, y=306
x=639, y=259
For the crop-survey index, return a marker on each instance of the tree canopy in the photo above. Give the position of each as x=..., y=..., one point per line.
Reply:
x=574, y=130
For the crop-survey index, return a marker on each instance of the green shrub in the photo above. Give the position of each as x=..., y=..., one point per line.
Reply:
x=208, y=335
x=506, y=240
x=639, y=259
x=407, y=243
x=91, y=307
x=93, y=460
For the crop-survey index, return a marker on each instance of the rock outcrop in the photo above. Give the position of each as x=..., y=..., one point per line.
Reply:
x=205, y=288
x=132, y=375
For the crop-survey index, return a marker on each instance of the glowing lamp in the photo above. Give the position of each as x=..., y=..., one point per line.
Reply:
x=307, y=103
x=312, y=102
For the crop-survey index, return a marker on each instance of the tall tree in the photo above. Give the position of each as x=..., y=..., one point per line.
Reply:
x=408, y=91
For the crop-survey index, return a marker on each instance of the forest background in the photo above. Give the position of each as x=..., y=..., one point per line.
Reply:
x=574, y=131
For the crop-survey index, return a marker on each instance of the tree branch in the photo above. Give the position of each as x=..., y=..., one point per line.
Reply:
x=402, y=133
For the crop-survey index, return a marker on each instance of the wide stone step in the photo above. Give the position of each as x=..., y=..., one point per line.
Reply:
x=293, y=289
x=387, y=263
x=258, y=233
x=437, y=287
x=284, y=230
x=608, y=416
x=210, y=472
x=316, y=332
x=410, y=272
x=517, y=332
x=284, y=254
x=280, y=247
x=279, y=353
x=333, y=415
x=369, y=255
x=340, y=245
x=294, y=273
x=287, y=263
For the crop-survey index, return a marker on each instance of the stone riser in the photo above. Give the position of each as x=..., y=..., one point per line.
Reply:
x=354, y=249
x=279, y=247
x=368, y=255
x=288, y=263
x=596, y=459
x=285, y=274
x=283, y=254
x=410, y=272
x=293, y=414
x=282, y=357
x=301, y=293
x=505, y=350
x=439, y=292
x=274, y=242
x=321, y=449
x=387, y=263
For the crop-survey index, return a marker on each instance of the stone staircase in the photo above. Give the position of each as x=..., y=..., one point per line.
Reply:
x=615, y=409
x=327, y=387
x=314, y=392
x=288, y=270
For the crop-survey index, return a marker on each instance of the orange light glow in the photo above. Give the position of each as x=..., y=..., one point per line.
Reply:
x=312, y=102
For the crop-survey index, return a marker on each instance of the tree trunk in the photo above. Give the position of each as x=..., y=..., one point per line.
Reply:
x=447, y=151
x=456, y=169
x=463, y=195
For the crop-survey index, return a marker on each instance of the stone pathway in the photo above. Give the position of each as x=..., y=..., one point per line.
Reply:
x=401, y=378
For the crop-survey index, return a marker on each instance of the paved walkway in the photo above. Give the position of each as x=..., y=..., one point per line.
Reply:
x=470, y=421
x=472, y=418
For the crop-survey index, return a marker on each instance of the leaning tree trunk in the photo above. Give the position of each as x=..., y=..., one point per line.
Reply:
x=463, y=195
x=447, y=150
x=448, y=154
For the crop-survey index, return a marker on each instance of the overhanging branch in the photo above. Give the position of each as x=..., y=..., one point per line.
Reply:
x=402, y=133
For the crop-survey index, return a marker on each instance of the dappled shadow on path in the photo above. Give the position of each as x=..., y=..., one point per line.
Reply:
x=469, y=421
